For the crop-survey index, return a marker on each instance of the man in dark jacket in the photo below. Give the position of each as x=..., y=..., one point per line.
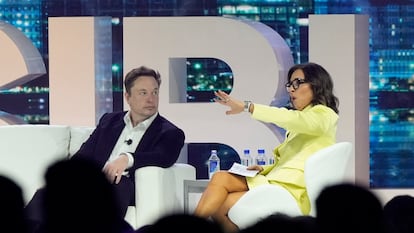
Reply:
x=125, y=141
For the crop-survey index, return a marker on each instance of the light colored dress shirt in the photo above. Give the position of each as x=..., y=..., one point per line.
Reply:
x=129, y=139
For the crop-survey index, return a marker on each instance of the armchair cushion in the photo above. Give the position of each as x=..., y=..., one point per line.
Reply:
x=78, y=135
x=326, y=167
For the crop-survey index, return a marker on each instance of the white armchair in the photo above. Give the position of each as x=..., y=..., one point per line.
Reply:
x=327, y=166
x=26, y=151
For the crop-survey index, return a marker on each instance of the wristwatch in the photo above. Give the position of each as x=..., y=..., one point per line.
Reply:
x=247, y=104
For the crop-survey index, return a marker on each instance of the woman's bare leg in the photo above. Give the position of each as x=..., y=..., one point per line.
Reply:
x=221, y=184
x=221, y=215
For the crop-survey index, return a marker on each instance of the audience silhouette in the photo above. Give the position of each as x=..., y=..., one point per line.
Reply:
x=284, y=224
x=79, y=198
x=305, y=224
x=181, y=222
x=345, y=208
x=12, y=217
x=399, y=214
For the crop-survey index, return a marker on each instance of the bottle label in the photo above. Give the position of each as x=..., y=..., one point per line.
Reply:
x=213, y=167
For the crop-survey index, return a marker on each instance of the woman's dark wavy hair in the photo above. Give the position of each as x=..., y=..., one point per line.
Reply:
x=321, y=84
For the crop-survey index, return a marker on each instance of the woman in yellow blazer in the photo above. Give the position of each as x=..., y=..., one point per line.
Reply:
x=310, y=126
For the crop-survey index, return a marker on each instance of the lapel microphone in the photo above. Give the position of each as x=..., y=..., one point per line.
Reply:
x=128, y=142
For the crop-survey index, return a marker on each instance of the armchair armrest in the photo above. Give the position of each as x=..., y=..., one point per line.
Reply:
x=159, y=191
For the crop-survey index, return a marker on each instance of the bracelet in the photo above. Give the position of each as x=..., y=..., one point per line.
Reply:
x=247, y=104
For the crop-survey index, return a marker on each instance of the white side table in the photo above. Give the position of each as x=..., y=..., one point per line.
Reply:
x=193, y=186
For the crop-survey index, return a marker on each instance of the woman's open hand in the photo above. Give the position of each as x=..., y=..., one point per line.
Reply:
x=236, y=106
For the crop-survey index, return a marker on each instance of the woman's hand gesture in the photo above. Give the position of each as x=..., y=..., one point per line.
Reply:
x=236, y=106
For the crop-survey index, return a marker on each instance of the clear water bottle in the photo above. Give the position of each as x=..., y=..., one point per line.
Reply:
x=246, y=159
x=213, y=163
x=261, y=157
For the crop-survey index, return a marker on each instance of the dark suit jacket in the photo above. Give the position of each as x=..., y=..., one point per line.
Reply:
x=160, y=145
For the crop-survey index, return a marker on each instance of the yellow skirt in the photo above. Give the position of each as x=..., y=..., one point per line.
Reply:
x=297, y=191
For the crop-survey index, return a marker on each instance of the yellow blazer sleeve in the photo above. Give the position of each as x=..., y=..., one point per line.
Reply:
x=315, y=120
x=308, y=130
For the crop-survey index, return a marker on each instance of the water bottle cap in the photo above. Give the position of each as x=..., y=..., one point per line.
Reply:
x=261, y=151
x=214, y=151
x=246, y=151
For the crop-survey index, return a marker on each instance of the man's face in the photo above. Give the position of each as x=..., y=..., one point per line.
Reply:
x=143, y=98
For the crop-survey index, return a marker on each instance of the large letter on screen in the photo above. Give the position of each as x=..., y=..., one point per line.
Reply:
x=257, y=55
x=20, y=62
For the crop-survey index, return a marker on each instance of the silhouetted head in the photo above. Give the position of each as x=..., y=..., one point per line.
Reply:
x=399, y=214
x=79, y=198
x=349, y=208
x=183, y=223
x=12, y=219
x=280, y=222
